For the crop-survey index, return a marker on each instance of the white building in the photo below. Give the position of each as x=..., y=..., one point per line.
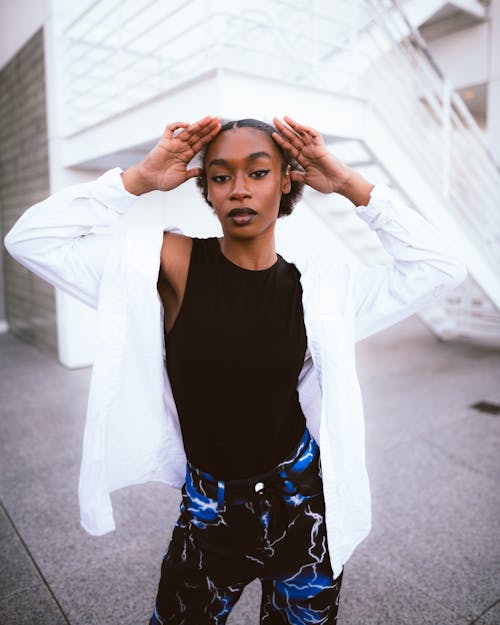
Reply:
x=90, y=86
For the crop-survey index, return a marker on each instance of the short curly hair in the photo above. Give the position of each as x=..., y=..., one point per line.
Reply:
x=288, y=200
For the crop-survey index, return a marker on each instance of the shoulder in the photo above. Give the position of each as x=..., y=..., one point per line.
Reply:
x=175, y=254
x=175, y=242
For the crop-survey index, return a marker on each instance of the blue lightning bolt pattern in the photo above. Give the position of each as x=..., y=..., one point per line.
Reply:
x=270, y=527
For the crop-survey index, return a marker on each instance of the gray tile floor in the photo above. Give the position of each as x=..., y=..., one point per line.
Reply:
x=433, y=556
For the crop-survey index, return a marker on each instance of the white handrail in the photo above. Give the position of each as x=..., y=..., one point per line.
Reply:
x=147, y=46
x=445, y=139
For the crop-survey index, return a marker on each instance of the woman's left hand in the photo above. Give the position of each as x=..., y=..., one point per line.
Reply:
x=322, y=171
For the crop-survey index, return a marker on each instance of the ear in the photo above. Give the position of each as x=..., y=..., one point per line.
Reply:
x=286, y=182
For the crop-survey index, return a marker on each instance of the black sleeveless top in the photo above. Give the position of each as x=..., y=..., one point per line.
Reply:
x=233, y=357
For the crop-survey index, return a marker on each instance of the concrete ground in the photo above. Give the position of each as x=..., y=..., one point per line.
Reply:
x=433, y=556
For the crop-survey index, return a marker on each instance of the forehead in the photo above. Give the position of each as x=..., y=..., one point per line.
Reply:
x=238, y=143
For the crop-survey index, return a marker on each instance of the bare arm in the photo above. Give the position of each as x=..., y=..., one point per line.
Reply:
x=67, y=238
x=424, y=262
x=165, y=168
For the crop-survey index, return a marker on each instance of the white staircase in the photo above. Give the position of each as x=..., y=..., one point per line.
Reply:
x=391, y=114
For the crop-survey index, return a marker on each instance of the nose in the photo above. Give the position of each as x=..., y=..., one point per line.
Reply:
x=240, y=189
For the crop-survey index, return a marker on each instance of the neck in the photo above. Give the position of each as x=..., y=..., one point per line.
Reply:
x=255, y=254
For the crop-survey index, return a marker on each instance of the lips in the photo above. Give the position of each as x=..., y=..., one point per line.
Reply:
x=239, y=212
x=241, y=216
x=241, y=220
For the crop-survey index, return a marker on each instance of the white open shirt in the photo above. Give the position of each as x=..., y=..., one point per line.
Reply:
x=132, y=432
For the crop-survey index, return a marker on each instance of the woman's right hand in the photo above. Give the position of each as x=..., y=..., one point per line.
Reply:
x=165, y=167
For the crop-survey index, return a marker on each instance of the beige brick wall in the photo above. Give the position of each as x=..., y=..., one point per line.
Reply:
x=27, y=302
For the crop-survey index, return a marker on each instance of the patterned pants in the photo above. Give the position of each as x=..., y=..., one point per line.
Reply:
x=269, y=527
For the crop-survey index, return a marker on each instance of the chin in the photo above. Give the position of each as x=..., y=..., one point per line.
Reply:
x=240, y=233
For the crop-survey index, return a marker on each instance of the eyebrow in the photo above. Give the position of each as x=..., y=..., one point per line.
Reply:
x=251, y=157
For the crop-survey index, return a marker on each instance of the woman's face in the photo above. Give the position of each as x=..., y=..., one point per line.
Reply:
x=244, y=181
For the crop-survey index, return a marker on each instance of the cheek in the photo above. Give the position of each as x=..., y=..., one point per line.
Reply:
x=273, y=186
x=215, y=196
x=211, y=193
x=279, y=191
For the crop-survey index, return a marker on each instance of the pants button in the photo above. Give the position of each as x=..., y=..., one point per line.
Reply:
x=259, y=487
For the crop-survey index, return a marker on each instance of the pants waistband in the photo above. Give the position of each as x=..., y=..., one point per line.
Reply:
x=281, y=476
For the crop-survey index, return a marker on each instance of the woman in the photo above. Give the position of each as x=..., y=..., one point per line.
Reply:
x=258, y=367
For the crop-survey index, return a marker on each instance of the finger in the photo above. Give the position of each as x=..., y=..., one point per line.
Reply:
x=297, y=176
x=286, y=145
x=173, y=126
x=284, y=128
x=201, y=128
x=290, y=135
x=301, y=129
x=298, y=128
x=194, y=172
x=209, y=132
x=197, y=143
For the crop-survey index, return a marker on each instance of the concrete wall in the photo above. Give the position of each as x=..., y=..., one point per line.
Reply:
x=24, y=180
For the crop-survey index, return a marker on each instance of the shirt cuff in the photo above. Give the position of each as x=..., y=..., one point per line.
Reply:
x=383, y=206
x=110, y=191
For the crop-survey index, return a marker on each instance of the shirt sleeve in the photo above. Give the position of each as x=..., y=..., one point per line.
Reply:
x=66, y=238
x=424, y=266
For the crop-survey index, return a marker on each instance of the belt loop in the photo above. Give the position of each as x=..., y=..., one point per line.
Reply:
x=221, y=486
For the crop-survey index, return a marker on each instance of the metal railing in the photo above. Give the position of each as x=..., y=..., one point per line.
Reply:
x=431, y=121
x=121, y=53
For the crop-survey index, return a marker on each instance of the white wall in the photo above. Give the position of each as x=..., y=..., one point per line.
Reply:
x=19, y=20
x=463, y=55
x=471, y=56
x=493, y=132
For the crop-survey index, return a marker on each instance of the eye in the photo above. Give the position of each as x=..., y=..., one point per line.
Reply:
x=220, y=178
x=260, y=173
